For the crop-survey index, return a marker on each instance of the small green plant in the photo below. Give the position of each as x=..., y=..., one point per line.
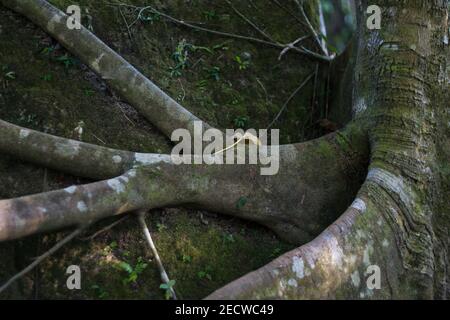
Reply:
x=205, y=274
x=241, y=202
x=201, y=85
x=243, y=64
x=149, y=17
x=100, y=292
x=113, y=245
x=160, y=226
x=66, y=60
x=214, y=73
x=241, y=122
x=210, y=15
x=180, y=57
x=132, y=273
x=228, y=238
x=167, y=287
x=47, y=77
x=186, y=258
x=88, y=92
x=48, y=50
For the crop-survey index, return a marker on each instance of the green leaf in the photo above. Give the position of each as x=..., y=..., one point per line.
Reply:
x=241, y=202
x=126, y=267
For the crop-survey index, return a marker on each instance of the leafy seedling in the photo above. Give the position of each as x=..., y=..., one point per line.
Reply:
x=167, y=287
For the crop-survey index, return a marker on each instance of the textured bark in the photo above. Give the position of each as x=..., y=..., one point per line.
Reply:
x=296, y=203
x=400, y=220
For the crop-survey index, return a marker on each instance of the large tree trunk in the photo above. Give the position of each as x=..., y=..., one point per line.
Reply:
x=399, y=220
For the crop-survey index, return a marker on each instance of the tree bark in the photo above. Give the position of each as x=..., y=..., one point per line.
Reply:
x=400, y=220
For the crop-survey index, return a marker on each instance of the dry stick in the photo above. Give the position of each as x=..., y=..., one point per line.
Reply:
x=148, y=237
x=108, y=227
x=42, y=257
x=126, y=24
x=301, y=50
x=265, y=35
x=289, y=99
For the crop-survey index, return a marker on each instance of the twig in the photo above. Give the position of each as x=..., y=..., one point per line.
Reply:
x=103, y=142
x=126, y=24
x=291, y=46
x=289, y=99
x=148, y=237
x=107, y=228
x=265, y=35
x=265, y=91
x=42, y=257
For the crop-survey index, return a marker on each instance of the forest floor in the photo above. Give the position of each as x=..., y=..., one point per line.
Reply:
x=227, y=82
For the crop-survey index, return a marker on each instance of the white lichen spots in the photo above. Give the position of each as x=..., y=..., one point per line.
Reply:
x=275, y=272
x=281, y=287
x=335, y=251
x=81, y=206
x=132, y=173
x=385, y=243
x=359, y=205
x=24, y=133
x=70, y=148
x=96, y=62
x=391, y=46
x=298, y=267
x=380, y=222
x=360, y=106
x=116, y=185
x=71, y=189
x=124, y=179
x=413, y=47
x=356, y=280
x=362, y=295
x=56, y=19
x=117, y=159
x=292, y=283
x=150, y=158
x=43, y=210
x=445, y=40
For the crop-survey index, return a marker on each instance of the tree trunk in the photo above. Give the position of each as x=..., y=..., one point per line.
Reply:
x=400, y=220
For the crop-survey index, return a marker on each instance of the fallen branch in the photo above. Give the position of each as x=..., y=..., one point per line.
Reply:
x=293, y=94
x=107, y=228
x=42, y=257
x=162, y=271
